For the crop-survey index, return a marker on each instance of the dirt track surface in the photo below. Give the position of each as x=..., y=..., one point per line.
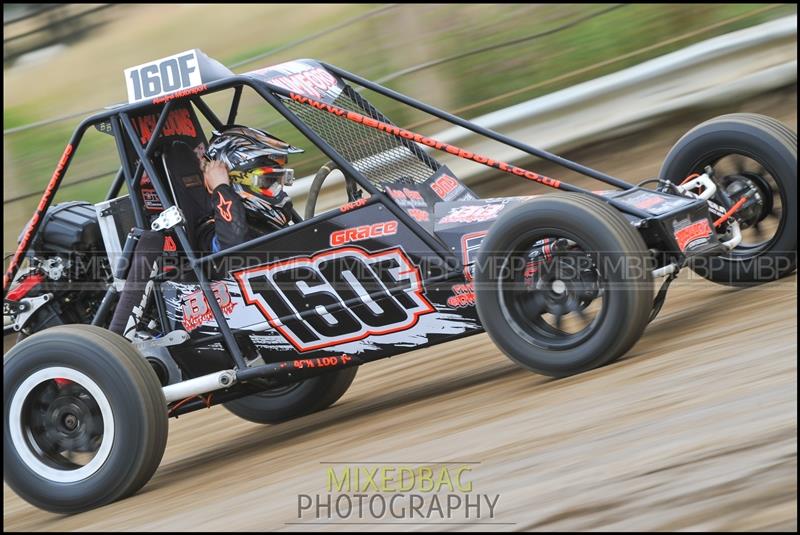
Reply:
x=695, y=428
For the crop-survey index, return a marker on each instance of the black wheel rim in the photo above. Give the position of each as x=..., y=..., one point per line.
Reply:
x=737, y=164
x=560, y=301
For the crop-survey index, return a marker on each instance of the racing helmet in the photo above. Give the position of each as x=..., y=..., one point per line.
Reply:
x=256, y=164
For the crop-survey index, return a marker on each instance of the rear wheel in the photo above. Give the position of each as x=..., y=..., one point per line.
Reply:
x=85, y=419
x=747, y=152
x=285, y=403
x=563, y=284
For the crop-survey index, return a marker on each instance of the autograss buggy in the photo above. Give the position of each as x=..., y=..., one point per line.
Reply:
x=275, y=328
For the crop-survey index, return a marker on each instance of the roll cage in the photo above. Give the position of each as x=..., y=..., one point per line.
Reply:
x=289, y=105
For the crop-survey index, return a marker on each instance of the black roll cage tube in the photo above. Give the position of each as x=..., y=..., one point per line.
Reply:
x=123, y=130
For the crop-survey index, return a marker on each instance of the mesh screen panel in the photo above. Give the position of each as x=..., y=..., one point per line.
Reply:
x=379, y=156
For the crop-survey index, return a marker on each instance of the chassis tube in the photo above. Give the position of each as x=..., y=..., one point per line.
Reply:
x=279, y=372
x=134, y=178
x=44, y=204
x=119, y=140
x=199, y=385
x=105, y=306
x=297, y=369
x=454, y=119
x=234, y=109
x=113, y=191
x=347, y=168
x=183, y=238
x=210, y=116
x=402, y=133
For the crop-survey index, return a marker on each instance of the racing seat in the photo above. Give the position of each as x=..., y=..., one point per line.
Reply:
x=185, y=178
x=176, y=160
x=180, y=169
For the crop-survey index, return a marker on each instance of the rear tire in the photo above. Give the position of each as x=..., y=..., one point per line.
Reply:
x=606, y=239
x=772, y=146
x=80, y=390
x=286, y=403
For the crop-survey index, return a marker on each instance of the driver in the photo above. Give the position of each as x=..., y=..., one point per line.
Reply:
x=244, y=172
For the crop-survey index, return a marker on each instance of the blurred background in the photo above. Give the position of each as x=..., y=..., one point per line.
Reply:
x=63, y=61
x=695, y=429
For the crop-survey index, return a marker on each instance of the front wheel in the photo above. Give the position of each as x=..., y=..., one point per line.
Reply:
x=751, y=155
x=563, y=284
x=85, y=419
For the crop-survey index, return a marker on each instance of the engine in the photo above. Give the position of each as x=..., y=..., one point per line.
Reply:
x=69, y=258
x=69, y=246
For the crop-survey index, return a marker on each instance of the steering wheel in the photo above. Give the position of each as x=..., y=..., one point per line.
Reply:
x=353, y=192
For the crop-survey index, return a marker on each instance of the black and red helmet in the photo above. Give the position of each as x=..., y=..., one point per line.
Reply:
x=256, y=164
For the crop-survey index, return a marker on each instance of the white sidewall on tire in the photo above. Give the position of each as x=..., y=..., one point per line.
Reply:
x=22, y=444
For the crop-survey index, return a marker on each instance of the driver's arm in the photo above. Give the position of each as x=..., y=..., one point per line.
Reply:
x=230, y=218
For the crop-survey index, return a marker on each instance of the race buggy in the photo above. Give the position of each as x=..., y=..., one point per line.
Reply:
x=275, y=327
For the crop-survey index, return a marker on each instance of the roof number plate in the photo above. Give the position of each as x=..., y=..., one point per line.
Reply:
x=163, y=76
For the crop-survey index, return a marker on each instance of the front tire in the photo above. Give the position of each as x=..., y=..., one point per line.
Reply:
x=602, y=264
x=85, y=419
x=753, y=151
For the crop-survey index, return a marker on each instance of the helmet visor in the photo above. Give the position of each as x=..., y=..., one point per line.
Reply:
x=268, y=180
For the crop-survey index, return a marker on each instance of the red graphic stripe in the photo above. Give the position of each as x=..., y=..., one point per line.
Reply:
x=36, y=220
x=428, y=141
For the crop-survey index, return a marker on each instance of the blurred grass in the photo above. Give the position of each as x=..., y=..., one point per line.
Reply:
x=89, y=73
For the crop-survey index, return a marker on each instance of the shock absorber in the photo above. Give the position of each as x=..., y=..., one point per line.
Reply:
x=542, y=251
